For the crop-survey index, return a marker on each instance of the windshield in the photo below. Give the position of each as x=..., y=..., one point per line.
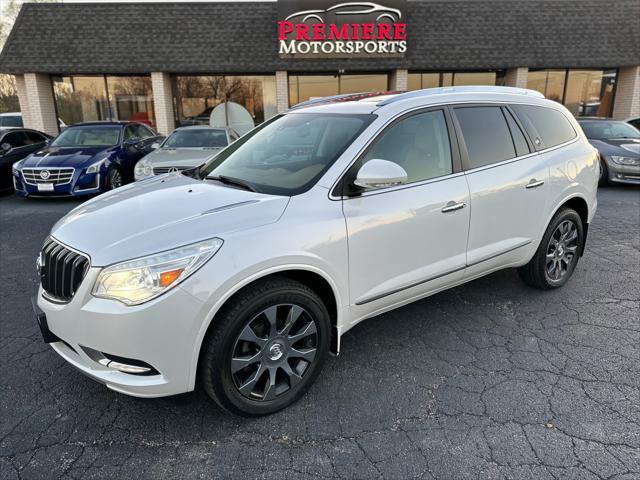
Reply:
x=196, y=138
x=89, y=136
x=609, y=130
x=288, y=154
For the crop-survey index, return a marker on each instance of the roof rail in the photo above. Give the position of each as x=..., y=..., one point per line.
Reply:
x=427, y=92
x=344, y=97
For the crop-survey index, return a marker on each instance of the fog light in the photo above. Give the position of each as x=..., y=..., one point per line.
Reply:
x=123, y=367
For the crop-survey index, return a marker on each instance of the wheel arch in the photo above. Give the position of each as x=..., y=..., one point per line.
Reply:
x=578, y=203
x=312, y=277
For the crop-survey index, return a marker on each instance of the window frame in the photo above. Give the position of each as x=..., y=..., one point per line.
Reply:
x=341, y=189
x=532, y=131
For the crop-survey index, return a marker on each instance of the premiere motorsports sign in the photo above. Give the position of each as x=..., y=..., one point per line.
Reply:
x=329, y=29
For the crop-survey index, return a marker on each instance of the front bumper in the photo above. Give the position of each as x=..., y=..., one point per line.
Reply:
x=161, y=333
x=81, y=184
x=627, y=174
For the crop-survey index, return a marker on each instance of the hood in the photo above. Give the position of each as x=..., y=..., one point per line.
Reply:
x=161, y=213
x=77, y=157
x=181, y=157
x=618, y=146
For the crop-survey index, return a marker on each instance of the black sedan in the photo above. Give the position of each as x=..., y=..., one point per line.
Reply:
x=16, y=144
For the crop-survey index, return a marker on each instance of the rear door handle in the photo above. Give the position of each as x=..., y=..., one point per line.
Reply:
x=533, y=183
x=452, y=207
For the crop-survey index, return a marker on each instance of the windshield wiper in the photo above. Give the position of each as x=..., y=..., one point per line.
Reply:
x=233, y=181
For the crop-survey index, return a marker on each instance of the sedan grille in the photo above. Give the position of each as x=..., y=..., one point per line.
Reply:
x=61, y=270
x=161, y=170
x=57, y=176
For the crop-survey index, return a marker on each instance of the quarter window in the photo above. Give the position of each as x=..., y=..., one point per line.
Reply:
x=551, y=125
x=486, y=135
x=419, y=144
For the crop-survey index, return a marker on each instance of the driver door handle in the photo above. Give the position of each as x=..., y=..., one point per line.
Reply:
x=452, y=207
x=533, y=183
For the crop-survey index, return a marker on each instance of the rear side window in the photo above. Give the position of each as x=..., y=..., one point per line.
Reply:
x=551, y=126
x=486, y=135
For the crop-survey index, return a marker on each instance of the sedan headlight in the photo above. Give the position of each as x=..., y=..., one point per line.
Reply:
x=143, y=169
x=15, y=168
x=625, y=160
x=138, y=281
x=95, y=167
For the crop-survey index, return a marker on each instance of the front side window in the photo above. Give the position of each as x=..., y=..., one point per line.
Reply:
x=89, y=136
x=486, y=135
x=287, y=155
x=419, y=144
x=551, y=125
x=130, y=132
x=15, y=139
x=34, y=137
x=196, y=138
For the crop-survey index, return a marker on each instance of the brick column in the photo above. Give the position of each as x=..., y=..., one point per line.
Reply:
x=398, y=81
x=627, y=101
x=42, y=110
x=163, y=102
x=23, y=99
x=282, y=91
x=516, y=77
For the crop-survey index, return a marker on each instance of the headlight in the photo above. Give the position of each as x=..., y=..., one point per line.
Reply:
x=137, y=281
x=95, y=168
x=143, y=169
x=625, y=160
x=15, y=168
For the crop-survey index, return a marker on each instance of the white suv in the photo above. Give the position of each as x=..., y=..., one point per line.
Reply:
x=243, y=275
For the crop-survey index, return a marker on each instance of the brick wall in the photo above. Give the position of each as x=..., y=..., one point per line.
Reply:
x=41, y=109
x=627, y=102
x=23, y=99
x=163, y=102
x=398, y=80
x=282, y=91
x=516, y=77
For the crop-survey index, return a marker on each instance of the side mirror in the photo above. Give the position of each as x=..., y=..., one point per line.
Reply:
x=378, y=173
x=5, y=148
x=155, y=146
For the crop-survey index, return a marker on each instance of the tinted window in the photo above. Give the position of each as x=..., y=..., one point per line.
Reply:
x=196, y=138
x=15, y=139
x=10, y=121
x=144, y=132
x=519, y=141
x=34, y=137
x=130, y=132
x=419, y=144
x=486, y=135
x=551, y=125
x=604, y=130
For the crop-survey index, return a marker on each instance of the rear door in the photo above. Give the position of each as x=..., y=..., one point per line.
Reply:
x=407, y=240
x=507, y=184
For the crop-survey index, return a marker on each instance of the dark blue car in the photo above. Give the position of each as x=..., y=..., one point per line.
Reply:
x=85, y=159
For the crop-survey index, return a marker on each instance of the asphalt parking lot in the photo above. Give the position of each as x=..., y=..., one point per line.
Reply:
x=489, y=380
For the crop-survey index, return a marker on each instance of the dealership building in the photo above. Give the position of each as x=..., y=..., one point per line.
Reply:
x=168, y=64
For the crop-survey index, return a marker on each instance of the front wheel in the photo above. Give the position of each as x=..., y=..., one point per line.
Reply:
x=114, y=178
x=558, y=253
x=266, y=347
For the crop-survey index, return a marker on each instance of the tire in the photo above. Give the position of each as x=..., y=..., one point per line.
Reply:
x=250, y=368
x=114, y=178
x=558, y=252
x=603, y=180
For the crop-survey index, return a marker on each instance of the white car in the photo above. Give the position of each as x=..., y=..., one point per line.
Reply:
x=244, y=277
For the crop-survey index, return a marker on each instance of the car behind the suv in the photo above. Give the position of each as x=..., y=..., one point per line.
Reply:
x=245, y=275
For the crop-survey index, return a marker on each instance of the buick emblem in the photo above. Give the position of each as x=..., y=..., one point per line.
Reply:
x=173, y=169
x=44, y=174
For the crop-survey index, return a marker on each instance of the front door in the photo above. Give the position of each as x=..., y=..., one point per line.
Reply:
x=410, y=239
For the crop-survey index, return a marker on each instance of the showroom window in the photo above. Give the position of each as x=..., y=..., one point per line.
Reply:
x=417, y=81
x=196, y=96
x=586, y=93
x=100, y=97
x=306, y=87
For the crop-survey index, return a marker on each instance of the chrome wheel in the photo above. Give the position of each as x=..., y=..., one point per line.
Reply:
x=273, y=352
x=562, y=250
x=115, y=178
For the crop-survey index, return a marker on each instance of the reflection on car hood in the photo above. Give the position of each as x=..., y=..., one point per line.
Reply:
x=161, y=213
x=78, y=157
x=621, y=146
x=181, y=157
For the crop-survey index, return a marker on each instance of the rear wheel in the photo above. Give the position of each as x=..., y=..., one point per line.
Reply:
x=558, y=253
x=266, y=347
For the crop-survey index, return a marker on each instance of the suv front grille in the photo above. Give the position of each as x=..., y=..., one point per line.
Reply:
x=57, y=176
x=61, y=270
